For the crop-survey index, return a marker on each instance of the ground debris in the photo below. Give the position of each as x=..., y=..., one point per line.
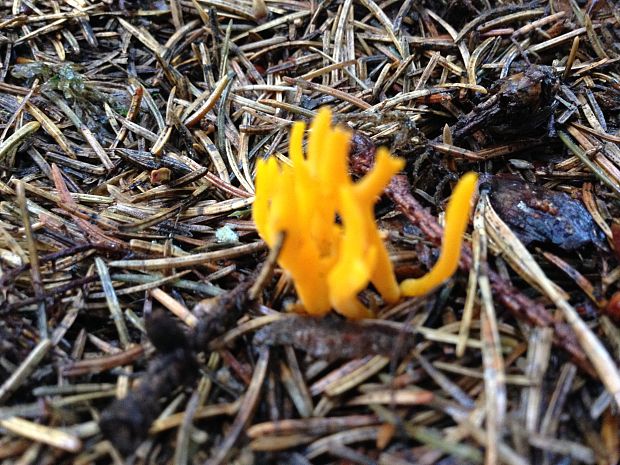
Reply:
x=141, y=314
x=544, y=216
x=518, y=105
x=333, y=338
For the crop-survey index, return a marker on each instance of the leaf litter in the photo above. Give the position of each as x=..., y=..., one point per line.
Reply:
x=141, y=315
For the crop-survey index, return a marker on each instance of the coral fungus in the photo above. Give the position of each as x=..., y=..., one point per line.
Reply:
x=330, y=261
x=332, y=247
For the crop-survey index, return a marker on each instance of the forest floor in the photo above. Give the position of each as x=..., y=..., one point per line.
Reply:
x=142, y=318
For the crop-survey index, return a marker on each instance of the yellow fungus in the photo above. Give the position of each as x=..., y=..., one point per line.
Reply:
x=457, y=218
x=332, y=248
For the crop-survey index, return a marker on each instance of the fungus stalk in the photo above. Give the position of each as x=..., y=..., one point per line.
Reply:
x=457, y=217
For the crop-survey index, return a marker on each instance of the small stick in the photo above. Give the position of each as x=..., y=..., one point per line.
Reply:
x=41, y=433
x=24, y=370
x=175, y=307
x=268, y=267
x=20, y=108
x=113, y=304
x=35, y=270
x=571, y=57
